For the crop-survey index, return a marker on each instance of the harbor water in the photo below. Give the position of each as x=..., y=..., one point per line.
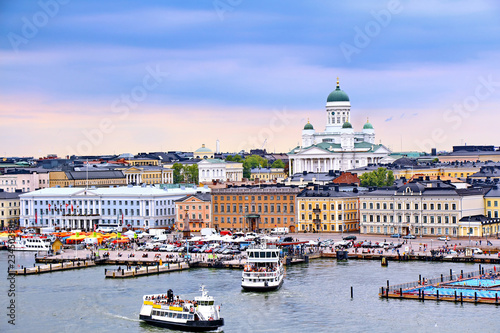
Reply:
x=315, y=297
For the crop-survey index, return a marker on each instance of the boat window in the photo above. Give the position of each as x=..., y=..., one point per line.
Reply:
x=179, y=316
x=184, y=315
x=211, y=303
x=275, y=254
x=250, y=255
x=170, y=314
x=191, y=317
x=268, y=254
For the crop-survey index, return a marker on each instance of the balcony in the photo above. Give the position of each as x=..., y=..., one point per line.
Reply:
x=316, y=210
x=316, y=220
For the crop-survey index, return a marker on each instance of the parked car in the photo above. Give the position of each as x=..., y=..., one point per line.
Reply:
x=349, y=237
x=396, y=235
x=409, y=236
x=444, y=238
x=366, y=244
x=477, y=250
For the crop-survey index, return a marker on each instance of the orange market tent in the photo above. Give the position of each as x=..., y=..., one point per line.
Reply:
x=121, y=241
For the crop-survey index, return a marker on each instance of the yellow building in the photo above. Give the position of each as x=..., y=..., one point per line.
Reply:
x=142, y=161
x=9, y=210
x=327, y=210
x=148, y=175
x=83, y=178
x=267, y=174
x=479, y=226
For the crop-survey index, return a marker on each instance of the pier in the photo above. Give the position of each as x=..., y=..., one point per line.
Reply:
x=48, y=268
x=482, y=286
x=129, y=272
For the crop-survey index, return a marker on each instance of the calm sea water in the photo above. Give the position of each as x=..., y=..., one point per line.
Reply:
x=314, y=298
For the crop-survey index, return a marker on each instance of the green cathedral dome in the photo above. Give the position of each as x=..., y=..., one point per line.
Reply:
x=347, y=125
x=308, y=126
x=338, y=95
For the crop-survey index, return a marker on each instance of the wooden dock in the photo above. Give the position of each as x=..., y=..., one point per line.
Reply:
x=123, y=273
x=48, y=268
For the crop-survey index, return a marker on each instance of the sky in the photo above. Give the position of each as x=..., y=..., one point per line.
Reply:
x=111, y=77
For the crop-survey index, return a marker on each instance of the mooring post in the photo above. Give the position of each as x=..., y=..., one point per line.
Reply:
x=475, y=297
x=352, y=292
x=461, y=298
x=455, y=295
x=462, y=274
x=401, y=292
x=441, y=277
x=451, y=274
x=479, y=269
x=420, y=278
x=437, y=294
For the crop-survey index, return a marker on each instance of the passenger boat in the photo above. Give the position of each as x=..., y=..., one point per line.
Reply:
x=165, y=310
x=33, y=243
x=263, y=270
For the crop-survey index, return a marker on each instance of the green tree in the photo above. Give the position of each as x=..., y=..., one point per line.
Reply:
x=278, y=164
x=178, y=173
x=235, y=158
x=191, y=173
x=379, y=177
x=253, y=161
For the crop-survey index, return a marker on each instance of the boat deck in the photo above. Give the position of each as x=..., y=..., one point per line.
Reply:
x=130, y=272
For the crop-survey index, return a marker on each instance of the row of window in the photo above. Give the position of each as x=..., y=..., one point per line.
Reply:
x=348, y=216
x=333, y=227
x=495, y=203
x=193, y=216
x=10, y=204
x=259, y=198
x=11, y=212
x=240, y=220
x=166, y=211
x=425, y=219
x=347, y=206
x=408, y=206
x=104, y=202
x=271, y=208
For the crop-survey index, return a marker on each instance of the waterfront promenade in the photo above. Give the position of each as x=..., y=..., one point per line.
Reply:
x=411, y=249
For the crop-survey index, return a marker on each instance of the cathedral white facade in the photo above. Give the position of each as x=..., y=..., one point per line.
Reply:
x=338, y=147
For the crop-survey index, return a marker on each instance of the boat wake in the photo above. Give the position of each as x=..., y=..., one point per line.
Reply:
x=124, y=318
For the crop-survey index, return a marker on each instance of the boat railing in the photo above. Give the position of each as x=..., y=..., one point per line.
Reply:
x=259, y=274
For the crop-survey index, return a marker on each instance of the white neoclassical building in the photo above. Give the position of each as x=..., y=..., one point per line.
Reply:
x=210, y=168
x=78, y=208
x=217, y=169
x=339, y=147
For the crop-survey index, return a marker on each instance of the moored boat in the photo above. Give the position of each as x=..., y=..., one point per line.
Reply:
x=263, y=270
x=165, y=310
x=32, y=243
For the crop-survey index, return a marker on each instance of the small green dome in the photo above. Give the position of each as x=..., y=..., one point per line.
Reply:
x=337, y=95
x=203, y=149
x=368, y=126
x=308, y=126
x=347, y=125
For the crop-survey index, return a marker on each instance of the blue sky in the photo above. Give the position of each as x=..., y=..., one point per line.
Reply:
x=244, y=72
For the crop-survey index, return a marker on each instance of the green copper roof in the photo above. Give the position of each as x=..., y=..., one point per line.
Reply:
x=368, y=126
x=203, y=149
x=337, y=95
x=308, y=126
x=347, y=125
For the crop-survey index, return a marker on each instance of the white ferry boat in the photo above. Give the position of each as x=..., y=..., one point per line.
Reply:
x=33, y=243
x=264, y=270
x=165, y=310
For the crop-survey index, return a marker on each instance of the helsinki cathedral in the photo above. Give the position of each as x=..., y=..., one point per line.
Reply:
x=339, y=147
